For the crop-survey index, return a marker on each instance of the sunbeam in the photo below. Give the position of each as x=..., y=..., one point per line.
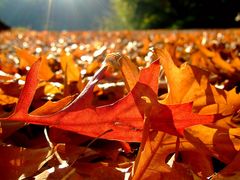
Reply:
x=48, y=13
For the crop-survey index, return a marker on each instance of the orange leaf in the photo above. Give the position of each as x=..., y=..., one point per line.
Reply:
x=183, y=82
x=27, y=59
x=153, y=154
x=189, y=83
x=52, y=107
x=220, y=143
x=128, y=68
x=45, y=72
x=72, y=72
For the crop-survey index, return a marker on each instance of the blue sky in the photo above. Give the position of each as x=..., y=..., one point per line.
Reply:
x=63, y=14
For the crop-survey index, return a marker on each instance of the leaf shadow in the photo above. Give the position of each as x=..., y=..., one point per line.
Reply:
x=223, y=145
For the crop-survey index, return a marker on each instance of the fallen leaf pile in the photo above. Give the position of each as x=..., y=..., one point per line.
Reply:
x=120, y=105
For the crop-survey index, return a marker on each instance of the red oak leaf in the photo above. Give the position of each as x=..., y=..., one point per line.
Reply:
x=122, y=120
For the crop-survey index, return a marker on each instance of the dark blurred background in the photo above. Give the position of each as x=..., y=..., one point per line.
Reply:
x=120, y=14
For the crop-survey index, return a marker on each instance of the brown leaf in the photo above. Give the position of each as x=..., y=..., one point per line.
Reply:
x=19, y=162
x=7, y=128
x=232, y=168
x=106, y=173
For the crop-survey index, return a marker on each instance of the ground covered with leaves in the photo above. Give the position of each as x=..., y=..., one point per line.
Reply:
x=120, y=105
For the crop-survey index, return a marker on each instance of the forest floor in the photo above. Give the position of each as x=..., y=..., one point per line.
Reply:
x=158, y=104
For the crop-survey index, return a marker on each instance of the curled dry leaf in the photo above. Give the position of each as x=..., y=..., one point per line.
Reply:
x=129, y=70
